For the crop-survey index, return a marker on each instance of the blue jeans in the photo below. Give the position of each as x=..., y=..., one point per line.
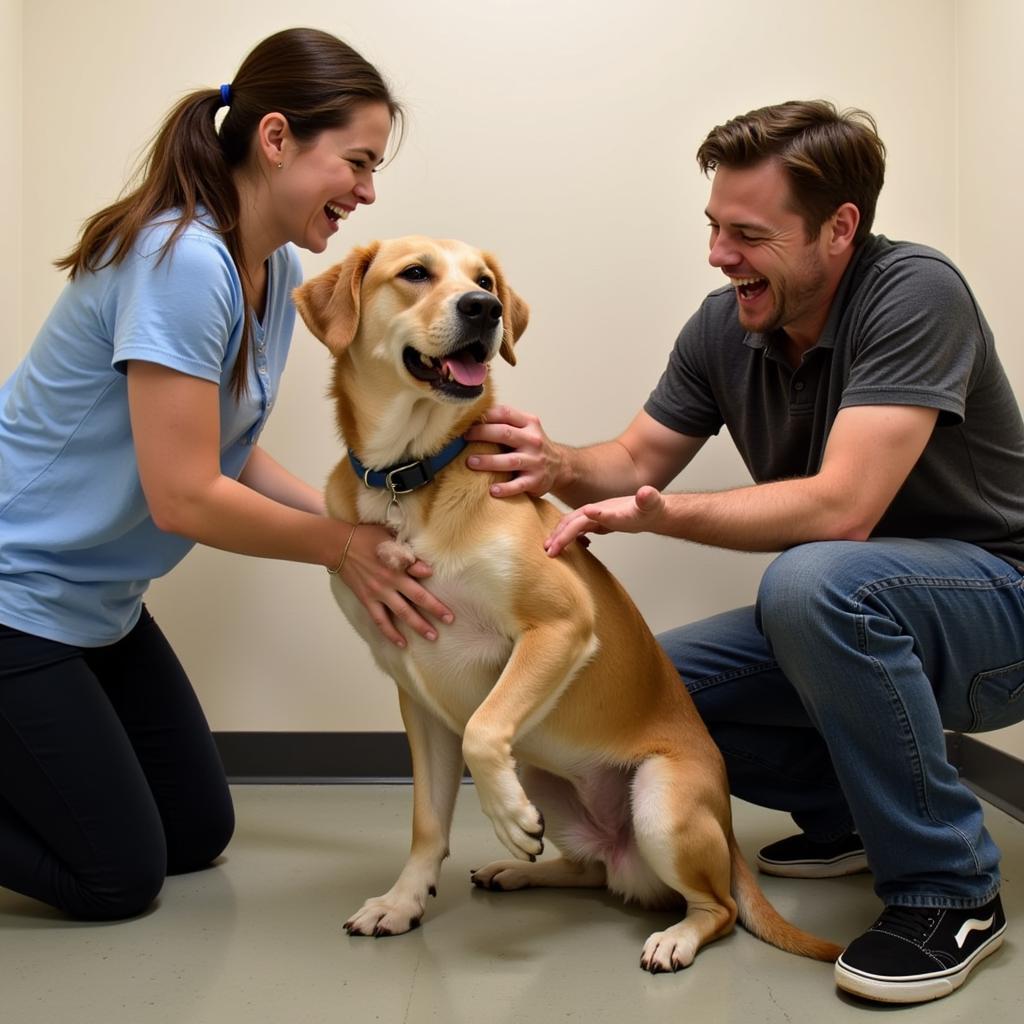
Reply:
x=829, y=697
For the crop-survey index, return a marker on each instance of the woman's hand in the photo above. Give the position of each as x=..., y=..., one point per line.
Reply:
x=632, y=514
x=390, y=595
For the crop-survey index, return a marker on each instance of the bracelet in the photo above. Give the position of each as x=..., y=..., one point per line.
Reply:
x=344, y=554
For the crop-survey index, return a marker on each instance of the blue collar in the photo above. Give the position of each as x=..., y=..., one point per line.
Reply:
x=408, y=476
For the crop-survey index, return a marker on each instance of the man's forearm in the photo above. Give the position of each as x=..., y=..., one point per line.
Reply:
x=594, y=473
x=763, y=517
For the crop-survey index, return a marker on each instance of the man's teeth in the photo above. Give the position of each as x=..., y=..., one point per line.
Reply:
x=745, y=282
x=340, y=212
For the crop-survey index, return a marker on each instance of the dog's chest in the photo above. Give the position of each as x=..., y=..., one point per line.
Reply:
x=453, y=674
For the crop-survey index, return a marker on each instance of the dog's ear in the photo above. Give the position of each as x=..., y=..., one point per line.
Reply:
x=515, y=311
x=329, y=304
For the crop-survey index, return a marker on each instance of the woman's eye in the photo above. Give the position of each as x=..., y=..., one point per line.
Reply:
x=414, y=273
x=485, y=282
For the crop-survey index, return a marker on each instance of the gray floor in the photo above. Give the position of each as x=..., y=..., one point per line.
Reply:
x=259, y=939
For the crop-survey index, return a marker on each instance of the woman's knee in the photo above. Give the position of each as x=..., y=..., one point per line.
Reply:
x=196, y=842
x=116, y=891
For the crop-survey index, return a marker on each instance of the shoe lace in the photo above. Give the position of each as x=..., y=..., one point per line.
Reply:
x=912, y=923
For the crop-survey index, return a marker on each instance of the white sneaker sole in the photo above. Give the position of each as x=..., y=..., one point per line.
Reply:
x=921, y=988
x=845, y=864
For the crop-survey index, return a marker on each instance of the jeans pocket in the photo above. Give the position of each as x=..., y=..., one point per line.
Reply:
x=997, y=698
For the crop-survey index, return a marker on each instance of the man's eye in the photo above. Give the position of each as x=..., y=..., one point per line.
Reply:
x=485, y=282
x=359, y=165
x=415, y=273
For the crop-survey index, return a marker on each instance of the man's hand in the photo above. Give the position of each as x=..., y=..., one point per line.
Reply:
x=637, y=513
x=535, y=458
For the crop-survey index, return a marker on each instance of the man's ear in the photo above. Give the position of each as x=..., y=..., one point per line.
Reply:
x=515, y=313
x=329, y=303
x=843, y=227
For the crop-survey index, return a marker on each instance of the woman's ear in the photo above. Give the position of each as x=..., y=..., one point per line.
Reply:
x=273, y=137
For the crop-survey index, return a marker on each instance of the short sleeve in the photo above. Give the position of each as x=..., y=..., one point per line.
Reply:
x=919, y=340
x=683, y=399
x=179, y=310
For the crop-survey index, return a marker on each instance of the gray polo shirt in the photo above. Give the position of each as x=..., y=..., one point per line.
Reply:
x=904, y=329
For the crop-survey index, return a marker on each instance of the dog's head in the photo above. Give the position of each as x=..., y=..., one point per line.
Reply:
x=435, y=311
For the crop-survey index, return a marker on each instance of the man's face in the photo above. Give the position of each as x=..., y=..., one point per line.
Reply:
x=761, y=245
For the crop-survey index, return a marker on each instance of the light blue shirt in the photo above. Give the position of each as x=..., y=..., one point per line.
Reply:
x=78, y=547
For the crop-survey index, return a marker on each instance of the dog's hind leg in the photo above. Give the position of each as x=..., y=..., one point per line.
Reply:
x=437, y=772
x=681, y=834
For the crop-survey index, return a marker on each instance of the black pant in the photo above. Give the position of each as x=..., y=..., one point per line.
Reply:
x=109, y=776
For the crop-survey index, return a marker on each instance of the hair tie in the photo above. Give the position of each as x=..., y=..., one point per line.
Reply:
x=225, y=95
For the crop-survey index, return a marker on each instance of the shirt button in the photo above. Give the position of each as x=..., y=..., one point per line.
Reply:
x=799, y=386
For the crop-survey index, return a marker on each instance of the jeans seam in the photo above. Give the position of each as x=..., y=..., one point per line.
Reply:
x=943, y=582
x=727, y=677
x=896, y=702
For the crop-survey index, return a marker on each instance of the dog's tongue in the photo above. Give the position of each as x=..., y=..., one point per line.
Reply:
x=465, y=369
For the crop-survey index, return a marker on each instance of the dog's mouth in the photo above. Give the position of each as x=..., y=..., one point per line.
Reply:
x=459, y=374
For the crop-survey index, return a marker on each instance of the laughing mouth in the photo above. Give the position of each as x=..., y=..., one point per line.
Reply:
x=459, y=374
x=749, y=287
x=335, y=212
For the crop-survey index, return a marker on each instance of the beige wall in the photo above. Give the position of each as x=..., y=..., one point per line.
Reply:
x=10, y=182
x=561, y=135
x=989, y=35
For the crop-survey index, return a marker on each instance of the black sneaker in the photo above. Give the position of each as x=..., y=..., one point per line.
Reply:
x=913, y=954
x=800, y=857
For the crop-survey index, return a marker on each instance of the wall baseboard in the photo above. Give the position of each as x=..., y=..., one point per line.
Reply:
x=364, y=757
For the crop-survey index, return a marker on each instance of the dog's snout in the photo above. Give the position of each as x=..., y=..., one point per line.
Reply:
x=481, y=308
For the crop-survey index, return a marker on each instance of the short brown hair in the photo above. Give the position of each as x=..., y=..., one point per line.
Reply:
x=830, y=156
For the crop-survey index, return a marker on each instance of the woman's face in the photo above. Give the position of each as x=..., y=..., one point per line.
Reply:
x=322, y=182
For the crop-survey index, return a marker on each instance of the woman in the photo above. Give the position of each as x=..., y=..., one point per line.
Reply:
x=129, y=432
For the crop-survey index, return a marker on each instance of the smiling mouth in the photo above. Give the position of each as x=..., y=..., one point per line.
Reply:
x=335, y=212
x=750, y=287
x=459, y=374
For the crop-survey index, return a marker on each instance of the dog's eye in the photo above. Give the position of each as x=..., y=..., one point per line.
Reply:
x=415, y=273
x=485, y=282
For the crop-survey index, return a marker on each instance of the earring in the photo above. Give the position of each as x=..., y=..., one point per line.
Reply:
x=279, y=165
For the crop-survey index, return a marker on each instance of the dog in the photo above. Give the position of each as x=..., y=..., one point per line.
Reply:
x=548, y=685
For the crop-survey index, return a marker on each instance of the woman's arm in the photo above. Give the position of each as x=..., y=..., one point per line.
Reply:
x=176, y=429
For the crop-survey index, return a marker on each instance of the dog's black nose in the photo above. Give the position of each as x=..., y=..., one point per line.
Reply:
x=479, y=308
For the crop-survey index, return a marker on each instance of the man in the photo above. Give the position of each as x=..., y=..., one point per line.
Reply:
x=858, y=378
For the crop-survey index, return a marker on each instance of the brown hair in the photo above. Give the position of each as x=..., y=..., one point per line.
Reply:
x=831, y=157
x=314, y=79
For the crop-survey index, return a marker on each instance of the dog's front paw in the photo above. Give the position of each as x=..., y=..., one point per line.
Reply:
x=385, y=915
x=396, y=555
x=670, y=950
x=517, y=823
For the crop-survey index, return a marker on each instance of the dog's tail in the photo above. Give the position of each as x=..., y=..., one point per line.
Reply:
x=760, y=918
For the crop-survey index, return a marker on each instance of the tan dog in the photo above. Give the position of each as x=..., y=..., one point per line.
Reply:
x=548, y=664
